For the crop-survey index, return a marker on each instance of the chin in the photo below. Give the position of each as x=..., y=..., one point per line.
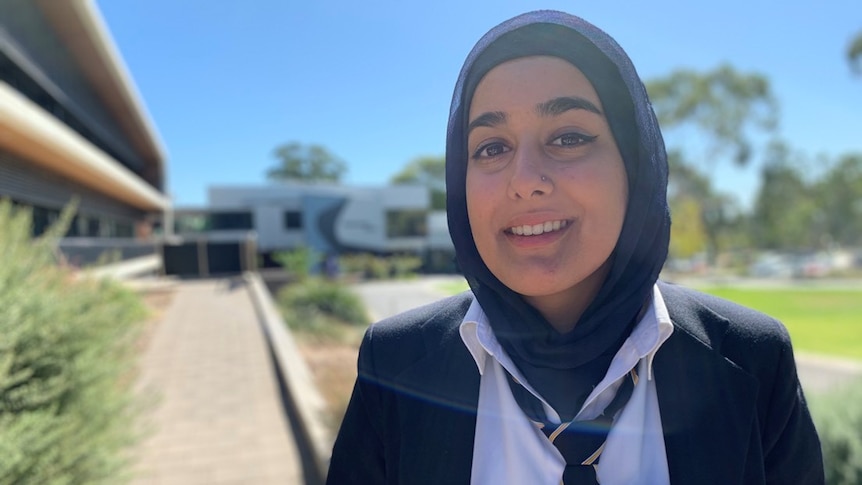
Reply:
x=538, y=287
x=541, y=284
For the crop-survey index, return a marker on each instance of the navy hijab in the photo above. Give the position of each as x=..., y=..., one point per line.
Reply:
x=552, y=361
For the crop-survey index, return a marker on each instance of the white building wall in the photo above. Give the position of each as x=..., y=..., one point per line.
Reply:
x=361, y=224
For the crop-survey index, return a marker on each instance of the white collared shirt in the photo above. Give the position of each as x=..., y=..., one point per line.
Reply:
x=509, y=449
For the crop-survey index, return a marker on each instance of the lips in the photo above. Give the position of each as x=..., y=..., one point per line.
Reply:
x=537, y=229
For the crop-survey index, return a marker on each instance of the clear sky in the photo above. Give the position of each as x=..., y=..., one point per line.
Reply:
x=225, y=82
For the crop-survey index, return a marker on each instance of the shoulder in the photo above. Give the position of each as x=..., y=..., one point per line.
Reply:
x=441, y=312
x=399, y=341
x=741, y=334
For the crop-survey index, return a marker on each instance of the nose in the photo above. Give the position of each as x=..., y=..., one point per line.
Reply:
x=527, y=178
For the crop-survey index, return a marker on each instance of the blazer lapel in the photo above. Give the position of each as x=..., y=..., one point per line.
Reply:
x=438, y=410
x=707, y=403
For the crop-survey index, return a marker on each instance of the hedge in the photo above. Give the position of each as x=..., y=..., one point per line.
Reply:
x=66, y=407
x=838, y=418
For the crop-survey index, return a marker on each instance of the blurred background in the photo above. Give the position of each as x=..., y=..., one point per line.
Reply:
x=285, y=159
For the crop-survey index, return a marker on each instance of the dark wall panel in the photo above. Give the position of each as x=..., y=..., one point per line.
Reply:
x=181, y=259
x=224, y=258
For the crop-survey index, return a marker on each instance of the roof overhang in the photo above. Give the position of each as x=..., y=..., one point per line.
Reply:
x=80, y=27
x=30, y=132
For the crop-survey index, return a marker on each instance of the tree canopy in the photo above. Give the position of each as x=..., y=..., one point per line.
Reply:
x=429, y=171
x=724, y=104
x=854, y=53
x=726, y=107
x=784, y=209
x=310, y=163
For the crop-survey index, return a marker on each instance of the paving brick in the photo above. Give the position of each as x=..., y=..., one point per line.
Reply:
x=218, y=416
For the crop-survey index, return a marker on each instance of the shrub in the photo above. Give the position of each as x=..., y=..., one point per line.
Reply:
x=405, y=266
x=304, y=303
x=374, y=267
x=297, y=262
x=65, y=364
x=838, y=417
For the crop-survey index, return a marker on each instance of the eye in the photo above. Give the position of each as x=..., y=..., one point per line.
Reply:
x=490, y=150
x=572, y=139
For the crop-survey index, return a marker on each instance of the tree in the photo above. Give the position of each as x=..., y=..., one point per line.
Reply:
x=687, y=234
x=429, y=171
x=685, y=188
x=785, y=212
x=839, y=198
x=724, y=108
x=703, y=219
x=854, y=53
x=723, y=104
x=307, y=163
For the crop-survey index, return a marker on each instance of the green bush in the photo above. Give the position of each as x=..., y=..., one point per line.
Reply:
x=65, y=364
x=405, y=266
x=319, y=296
x=373, y=267
x=297, y=262
x=838, y=417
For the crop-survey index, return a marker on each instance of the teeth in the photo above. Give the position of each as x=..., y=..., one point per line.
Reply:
x=527, y=230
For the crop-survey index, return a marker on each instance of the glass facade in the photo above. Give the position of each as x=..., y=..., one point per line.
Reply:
x=406, y=223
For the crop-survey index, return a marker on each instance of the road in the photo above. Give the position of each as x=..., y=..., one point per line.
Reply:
x=385, y=298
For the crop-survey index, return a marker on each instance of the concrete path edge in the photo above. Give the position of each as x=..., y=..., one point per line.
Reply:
x=297, y=379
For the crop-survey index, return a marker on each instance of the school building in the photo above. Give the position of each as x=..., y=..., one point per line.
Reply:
x=73, y=126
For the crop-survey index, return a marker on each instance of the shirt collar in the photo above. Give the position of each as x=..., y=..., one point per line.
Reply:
x=651, y=331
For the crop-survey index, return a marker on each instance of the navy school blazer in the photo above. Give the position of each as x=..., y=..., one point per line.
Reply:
x=731, y=406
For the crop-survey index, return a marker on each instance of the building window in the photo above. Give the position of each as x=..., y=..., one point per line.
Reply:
x=190, y=223
x=92, y=227
x=125, y=229
x=43, y=218
x=292, y=220
x=225, y=221
x=75, y=227
x=406, y=223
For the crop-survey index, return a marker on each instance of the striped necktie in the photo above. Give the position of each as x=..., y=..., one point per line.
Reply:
x=580, y=442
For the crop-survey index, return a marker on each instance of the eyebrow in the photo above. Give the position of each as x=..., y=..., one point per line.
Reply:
x=488, y=120
x=552, y=107
x=558, y=106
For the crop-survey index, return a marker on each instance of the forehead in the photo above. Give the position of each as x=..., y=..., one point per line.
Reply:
x=526, y=81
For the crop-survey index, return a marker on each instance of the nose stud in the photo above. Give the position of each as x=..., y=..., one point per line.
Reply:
x=544, y=179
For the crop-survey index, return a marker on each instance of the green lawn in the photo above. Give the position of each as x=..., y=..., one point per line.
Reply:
x=820, y=321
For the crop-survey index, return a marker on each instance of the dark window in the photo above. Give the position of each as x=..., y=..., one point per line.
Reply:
x=292, y=220
x=43, y=218
x=406, y=223
x=220, y=221
x=190, y=223
x=92, y=227
x=125, y=229
x=75, y=227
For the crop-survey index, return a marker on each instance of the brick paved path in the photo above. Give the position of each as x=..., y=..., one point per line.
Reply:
x=220, y=418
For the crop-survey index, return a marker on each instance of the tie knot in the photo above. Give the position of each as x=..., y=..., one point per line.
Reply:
x=579, y=442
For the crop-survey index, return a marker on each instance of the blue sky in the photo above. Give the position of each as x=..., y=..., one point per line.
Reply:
x=225, y=82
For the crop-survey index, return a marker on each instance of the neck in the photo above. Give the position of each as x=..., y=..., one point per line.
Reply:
x=563, y=310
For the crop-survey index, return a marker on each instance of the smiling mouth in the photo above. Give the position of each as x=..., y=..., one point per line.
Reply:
x=537, y=229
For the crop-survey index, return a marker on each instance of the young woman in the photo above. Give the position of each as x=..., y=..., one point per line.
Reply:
x=568, y=362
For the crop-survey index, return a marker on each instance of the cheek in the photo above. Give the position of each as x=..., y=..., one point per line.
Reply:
x=477, y=193
x=618, y=198
x=480, y=204
x=622, y=183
